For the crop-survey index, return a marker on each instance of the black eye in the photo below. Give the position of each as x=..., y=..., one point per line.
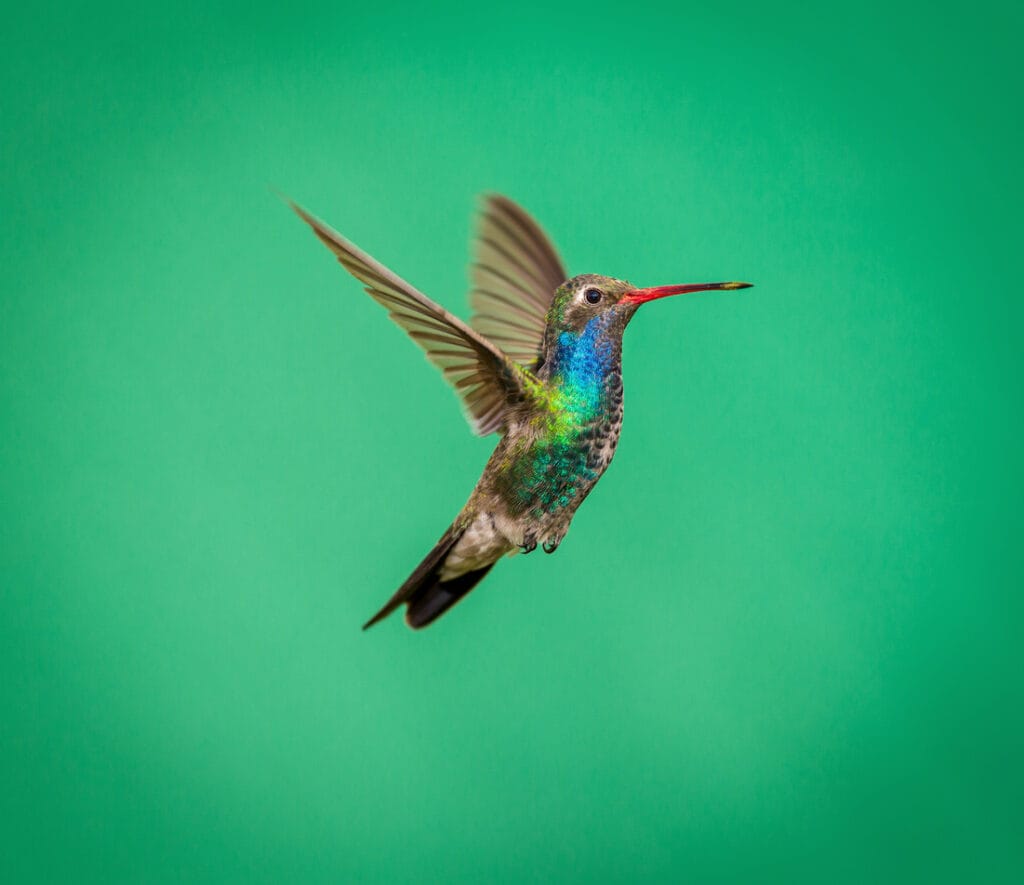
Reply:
x=592, y=295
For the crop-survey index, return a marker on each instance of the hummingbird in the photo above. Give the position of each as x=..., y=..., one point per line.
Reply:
x=540, y=363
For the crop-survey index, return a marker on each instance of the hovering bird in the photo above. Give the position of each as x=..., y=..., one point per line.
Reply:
x=540, y=362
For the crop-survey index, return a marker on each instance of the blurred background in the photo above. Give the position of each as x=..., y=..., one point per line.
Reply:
x=781, y=641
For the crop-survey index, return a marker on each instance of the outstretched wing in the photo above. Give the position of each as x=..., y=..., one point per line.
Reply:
x=486, y=379
x=515, y=273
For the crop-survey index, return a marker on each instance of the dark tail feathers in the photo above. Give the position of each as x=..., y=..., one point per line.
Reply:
x=425, y=594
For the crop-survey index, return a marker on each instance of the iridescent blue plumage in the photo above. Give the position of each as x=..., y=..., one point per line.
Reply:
x=581, y=365
x=552, y=469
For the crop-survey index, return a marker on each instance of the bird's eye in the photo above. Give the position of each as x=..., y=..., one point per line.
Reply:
x=592, y=295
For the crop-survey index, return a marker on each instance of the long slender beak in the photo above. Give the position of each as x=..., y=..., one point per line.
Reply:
x=639, y=296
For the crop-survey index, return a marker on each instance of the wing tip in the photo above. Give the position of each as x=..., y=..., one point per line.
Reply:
x=290, y=203
x=307, y=217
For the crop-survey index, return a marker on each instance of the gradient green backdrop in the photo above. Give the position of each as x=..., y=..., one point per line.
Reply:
x=781, y=642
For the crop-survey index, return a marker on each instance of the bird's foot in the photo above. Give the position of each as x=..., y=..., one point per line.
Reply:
x=552, y=546
x=529, y=542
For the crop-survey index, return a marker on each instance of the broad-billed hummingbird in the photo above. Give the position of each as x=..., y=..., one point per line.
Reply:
x=540, y=362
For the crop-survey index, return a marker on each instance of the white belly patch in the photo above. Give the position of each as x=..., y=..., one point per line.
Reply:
x=480, y=545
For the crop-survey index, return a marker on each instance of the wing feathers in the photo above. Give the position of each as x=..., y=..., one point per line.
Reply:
x=514, y=276
x=485, y=377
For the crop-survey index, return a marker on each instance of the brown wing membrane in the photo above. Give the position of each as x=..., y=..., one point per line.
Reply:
x=484, y=377
x=514, y=276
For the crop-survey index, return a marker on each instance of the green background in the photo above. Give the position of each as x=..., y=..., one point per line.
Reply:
x=782, y=640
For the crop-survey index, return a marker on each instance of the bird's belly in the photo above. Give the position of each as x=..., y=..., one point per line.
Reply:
x=531, y=488
x=550, y=479
x=481, y=544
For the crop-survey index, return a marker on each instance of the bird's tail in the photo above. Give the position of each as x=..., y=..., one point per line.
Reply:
x=425, y=594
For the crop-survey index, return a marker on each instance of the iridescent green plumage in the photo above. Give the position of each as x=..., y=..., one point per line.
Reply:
x=539, y=362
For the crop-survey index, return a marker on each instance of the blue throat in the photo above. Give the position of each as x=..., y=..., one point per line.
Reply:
x=581, y=364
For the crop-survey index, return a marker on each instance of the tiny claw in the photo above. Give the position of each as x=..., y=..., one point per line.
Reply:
x=529, y=543
x=551, y=546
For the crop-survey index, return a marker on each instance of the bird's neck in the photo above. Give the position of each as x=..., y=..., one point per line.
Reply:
x=582, y=365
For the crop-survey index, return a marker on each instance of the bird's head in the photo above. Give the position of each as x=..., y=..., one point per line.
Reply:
x=587, y=297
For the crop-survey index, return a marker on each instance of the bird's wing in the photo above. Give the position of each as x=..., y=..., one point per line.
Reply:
x=484, y=377
x=514, y=276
